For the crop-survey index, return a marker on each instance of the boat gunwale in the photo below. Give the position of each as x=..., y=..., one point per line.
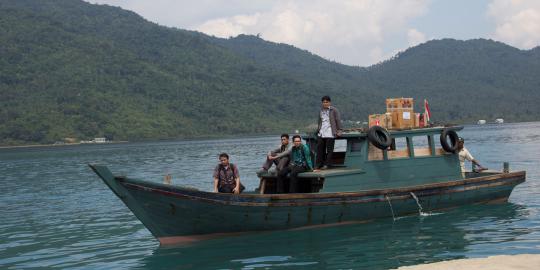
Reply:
x=275, y=199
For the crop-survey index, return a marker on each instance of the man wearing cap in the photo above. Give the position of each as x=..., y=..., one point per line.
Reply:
x=464, y=154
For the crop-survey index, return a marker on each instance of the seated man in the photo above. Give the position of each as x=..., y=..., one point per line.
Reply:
x=226, y=176
x=300, y=161
x=279, y=156
x=465, y=155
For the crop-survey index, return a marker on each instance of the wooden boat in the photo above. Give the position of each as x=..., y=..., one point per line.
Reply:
x=364, y=183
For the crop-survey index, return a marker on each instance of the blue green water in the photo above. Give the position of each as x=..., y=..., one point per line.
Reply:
x=55, y=213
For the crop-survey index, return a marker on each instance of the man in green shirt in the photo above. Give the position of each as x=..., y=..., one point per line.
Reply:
x=300, y=161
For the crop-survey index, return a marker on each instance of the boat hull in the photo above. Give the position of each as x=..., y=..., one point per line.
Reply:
x=176, y=214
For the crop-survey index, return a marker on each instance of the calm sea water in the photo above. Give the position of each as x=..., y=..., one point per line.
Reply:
x=55, y=213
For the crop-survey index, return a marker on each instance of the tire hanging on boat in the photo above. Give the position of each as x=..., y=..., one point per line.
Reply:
x=379, y=137
x=453, y=136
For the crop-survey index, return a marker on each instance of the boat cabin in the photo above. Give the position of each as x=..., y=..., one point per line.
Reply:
x=415, y=157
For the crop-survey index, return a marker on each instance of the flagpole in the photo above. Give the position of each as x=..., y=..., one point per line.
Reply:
x=427, y=113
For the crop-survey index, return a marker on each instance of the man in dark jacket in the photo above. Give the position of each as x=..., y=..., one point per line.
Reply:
x=300, y=161
x=329, y=128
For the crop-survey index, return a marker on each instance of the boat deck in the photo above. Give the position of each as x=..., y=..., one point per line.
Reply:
x=335, y=171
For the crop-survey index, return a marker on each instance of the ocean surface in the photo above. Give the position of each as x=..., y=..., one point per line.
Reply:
x=56, y=213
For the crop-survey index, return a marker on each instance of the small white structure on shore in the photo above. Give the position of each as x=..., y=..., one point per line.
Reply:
x=100, y=140
x=96, y=140
x=481, y=122
x=499, y=121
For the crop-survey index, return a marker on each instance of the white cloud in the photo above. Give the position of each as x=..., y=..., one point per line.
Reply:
x=229, y=27
x=350, y=32
x=415, y=37
x=357, y=32
x=517, y=22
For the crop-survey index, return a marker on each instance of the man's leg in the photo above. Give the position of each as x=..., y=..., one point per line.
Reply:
x=267, y=164
x=321, y=155
x=329, y=151
x=280, y=180
x=282, y=163
x=293, y=185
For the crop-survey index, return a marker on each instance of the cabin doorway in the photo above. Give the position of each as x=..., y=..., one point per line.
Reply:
x=268, y=184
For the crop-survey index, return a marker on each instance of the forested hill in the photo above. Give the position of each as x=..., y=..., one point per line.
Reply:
x=73, y=69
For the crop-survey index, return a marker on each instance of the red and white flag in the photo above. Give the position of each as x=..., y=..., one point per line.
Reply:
x=427, y=113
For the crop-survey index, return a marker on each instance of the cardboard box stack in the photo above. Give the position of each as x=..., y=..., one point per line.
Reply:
x=384, y=120
x=402, y=112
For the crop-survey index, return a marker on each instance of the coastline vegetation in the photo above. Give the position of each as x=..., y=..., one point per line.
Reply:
x=70, y=69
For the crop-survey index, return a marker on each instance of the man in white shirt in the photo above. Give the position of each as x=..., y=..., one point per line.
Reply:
x=329, y=128
x=465, y=155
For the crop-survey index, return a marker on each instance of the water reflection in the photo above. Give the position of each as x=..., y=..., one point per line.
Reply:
x=380, y=244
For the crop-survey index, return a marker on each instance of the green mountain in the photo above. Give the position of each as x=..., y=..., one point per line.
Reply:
x=73, y=69
x=467, y=80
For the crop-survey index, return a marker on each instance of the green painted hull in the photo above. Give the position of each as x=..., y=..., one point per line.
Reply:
x=175, y=214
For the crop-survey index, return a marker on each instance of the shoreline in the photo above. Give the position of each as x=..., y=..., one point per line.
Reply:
x=143, y=141
x=56, y=145
x=498, y=262
x=210, y=137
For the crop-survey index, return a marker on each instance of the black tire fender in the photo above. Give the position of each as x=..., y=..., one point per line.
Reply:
x=379, y=137
x=453, y=136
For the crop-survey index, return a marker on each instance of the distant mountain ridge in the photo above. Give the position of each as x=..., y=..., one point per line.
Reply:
x=73, y=69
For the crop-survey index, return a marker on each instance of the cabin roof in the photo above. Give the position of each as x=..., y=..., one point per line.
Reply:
x=417, y=131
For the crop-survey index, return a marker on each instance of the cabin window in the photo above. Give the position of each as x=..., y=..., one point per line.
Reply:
x=439, y=151
x=399, y=148
x=421, y=146
x=340, y=145
x=374, y=153
x=356, y=145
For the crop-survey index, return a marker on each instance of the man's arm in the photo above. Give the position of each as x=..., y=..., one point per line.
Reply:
x=216, y=178
x=476, y=163
x=339, y=126
x=470, y=158
x=307, y=154
x=215, y=184
x=237, y=187
x=319, y=123
x=274, y=152
x=282, y=154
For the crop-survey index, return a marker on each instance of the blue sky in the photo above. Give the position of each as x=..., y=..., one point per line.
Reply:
x=463, y=19
x=353, y=32
x=459, y=19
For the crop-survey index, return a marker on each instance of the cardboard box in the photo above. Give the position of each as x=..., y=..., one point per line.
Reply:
x=396, y=104
x=402, y=112
x=383, y=120
x=403, y=118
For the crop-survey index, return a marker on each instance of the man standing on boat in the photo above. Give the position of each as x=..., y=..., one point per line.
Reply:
x=279, y=156
x=464, y=154
x=329, y=128
x=226, y=176
x=300, y=161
